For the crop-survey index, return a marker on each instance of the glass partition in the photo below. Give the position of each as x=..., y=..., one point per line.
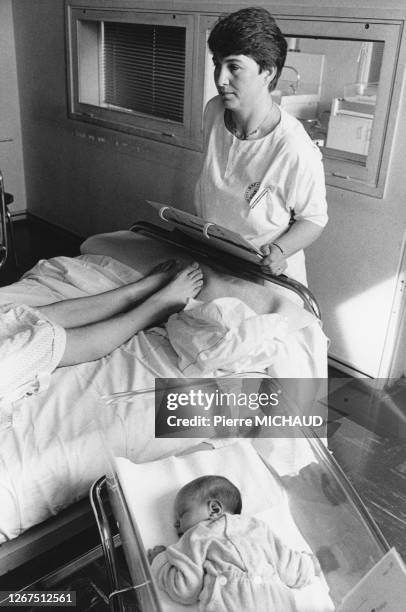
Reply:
x=344, y=71
x=332, y=86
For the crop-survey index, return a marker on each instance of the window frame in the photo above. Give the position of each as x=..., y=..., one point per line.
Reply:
x=362, y=174
x=346, y=170
x=187, y=133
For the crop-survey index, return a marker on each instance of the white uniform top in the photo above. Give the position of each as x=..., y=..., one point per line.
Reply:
x=253, y=186
x=31, y=347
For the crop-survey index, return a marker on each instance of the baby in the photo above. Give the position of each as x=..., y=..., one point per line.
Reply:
x=224, y=561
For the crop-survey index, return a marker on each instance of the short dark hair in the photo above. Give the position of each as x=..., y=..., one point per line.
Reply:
x=253, y=32
x=215, y=487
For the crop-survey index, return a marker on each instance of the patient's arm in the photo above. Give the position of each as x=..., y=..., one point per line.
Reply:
x=77, y=312
x=93, y=341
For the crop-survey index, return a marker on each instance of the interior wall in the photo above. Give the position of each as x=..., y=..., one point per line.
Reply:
x=11, y=153
x=78, y=181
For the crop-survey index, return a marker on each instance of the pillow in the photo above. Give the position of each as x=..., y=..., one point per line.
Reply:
x=224, y=336
x=31, y=346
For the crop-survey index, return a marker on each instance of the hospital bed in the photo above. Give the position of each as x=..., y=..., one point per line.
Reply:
x=50, y=443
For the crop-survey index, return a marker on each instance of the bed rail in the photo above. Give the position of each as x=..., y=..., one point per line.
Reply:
x=207, y=251
x=3, y=225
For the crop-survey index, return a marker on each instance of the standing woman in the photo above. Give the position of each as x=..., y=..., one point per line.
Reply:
x=262, y=175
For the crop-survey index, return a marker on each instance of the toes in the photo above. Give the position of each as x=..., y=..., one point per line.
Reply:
x=196, y=275
x=190, y=271
x=194, y=271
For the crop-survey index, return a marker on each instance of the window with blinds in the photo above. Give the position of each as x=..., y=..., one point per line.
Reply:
x=143, y=68
x=137, y=71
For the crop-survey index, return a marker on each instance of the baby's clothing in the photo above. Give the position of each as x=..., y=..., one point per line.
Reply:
x=233, y=563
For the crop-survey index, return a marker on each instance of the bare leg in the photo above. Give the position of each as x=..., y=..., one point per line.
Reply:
x=173, y=297
x=90, y=342
x=93, y=308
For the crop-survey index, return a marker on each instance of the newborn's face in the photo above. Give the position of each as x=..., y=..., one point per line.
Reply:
x=189, y=512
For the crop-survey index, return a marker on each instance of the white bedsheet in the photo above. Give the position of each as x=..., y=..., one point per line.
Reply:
x=50, y=444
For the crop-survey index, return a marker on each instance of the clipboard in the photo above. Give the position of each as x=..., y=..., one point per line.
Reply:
x=205, y=231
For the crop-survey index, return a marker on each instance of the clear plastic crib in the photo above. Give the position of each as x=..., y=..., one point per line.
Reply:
x=323, y=505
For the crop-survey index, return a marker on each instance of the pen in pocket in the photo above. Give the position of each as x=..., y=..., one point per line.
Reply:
x=259, y=197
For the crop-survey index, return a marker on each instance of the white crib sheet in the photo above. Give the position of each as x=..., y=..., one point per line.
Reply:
x=149, y=490
x=50, y=447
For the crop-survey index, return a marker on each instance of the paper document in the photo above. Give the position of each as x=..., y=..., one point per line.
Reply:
x=382, y=588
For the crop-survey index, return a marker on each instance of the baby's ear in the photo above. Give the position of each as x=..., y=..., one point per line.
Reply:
x=215, y=508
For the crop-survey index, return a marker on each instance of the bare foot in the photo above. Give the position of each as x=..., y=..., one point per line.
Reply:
x=186, y=284
x=163, y=272
x=173, y=297
x=158, y=277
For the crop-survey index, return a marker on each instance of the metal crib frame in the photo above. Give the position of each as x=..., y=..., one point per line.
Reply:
x=207, y=251
x=98, y=490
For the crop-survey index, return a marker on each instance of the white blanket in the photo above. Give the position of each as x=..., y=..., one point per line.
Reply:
x=51, y=449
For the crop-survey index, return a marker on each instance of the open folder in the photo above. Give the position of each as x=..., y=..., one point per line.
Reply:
x=204, y=231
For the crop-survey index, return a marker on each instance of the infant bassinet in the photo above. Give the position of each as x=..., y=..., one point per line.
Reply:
x=295, y=486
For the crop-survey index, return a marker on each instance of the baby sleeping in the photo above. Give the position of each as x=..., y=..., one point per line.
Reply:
x=224, y=561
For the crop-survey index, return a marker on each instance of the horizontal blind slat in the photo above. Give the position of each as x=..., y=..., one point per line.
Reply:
x=144, y=68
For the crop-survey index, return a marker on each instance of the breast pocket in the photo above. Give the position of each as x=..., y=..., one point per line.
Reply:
x=267, y=211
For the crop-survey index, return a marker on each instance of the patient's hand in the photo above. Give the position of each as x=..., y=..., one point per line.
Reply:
x=153, y=552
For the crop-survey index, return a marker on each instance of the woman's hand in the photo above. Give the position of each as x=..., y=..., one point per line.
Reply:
x=154, y=552
x=274, y=260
